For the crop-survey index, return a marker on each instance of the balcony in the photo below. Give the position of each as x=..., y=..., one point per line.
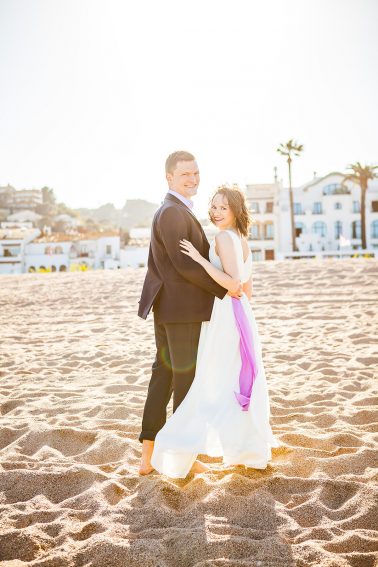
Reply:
x=336, y=189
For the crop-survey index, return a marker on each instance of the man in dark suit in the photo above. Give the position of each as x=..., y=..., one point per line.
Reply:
x=182, y=296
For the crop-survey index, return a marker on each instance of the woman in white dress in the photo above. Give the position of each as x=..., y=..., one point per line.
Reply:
x=226, y=411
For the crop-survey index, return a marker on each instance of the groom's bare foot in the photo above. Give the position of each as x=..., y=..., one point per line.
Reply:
x=199, y=467
x=145, y=464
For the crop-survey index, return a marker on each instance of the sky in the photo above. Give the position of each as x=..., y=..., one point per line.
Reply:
x=95, y=94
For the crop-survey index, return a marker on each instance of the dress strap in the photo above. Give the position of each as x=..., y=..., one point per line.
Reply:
x=239, y=250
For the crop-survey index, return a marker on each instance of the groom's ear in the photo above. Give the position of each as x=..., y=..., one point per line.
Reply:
x=169, y=178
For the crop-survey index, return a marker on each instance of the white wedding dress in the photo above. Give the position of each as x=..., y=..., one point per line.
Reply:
x=210, y=420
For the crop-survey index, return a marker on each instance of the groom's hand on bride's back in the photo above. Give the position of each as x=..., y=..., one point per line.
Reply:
x=237, y=294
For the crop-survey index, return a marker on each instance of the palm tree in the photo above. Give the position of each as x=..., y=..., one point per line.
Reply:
x=291, y=148
x=361, y=175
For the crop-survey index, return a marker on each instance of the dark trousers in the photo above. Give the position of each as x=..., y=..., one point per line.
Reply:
x=172, y=371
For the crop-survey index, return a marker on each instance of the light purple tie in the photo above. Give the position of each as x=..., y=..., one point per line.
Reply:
x=248, y=371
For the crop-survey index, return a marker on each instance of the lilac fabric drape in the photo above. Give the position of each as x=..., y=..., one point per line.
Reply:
x=248, y=370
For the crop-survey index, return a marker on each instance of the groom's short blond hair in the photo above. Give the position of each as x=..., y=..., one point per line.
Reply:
x=173, y=159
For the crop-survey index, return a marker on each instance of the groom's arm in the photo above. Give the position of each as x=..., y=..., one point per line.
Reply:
x=173, y=226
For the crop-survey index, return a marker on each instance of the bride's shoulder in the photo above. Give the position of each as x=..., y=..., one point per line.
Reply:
x=223, y=237
x=225, y=242
x=224, y=234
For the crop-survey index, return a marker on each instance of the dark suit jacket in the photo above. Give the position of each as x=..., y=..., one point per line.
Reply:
x=179, y=289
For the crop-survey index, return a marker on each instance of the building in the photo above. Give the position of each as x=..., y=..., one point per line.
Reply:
x=26, y=199
x=134, y=256
x=326, y=214
x=66, y=220
x=14, y=200
x=14, y=237
x=265, y=233
x=6, y=196
x=24, y=216
x=61, y=252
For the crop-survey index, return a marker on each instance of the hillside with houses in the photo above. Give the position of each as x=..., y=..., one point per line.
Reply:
x=39, y=234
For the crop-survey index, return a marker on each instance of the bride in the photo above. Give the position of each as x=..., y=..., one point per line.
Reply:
x=226, y=411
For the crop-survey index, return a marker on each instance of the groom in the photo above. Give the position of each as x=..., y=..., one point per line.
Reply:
x=182, y=295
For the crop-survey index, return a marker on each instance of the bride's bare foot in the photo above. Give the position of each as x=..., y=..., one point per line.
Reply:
x=145, y=464
x=199, y=467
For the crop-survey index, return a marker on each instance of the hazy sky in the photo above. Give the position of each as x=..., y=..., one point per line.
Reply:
x=94, y=94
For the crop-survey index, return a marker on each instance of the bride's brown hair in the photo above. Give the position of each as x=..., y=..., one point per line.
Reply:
x=238, y=205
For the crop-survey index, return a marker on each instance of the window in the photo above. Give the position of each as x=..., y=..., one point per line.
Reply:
x=58, y=250
x=255, y=207
x=374, y=206
x=319, y=228
x=338, y=229
x=256, y=255
x=317, y=208
x=298, y=209
x=300, y=228
x=269, y=233
x=356, y=207
x=374, y=229
x=12, y=250
x=108, y=249
x=73, y=251
x=356, y=229
x=255, y=231
x=338, y=206
x=269, y=207
x=84, y=251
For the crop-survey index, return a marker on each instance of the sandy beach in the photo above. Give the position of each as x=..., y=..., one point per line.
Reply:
x=75, y=366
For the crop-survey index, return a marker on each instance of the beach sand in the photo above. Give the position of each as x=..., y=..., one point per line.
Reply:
x=75, y=366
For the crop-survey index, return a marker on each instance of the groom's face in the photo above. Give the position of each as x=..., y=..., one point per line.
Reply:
x=184, y=178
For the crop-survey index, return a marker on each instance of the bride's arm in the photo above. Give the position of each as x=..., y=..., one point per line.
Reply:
x=247, y=288
x=230, y=278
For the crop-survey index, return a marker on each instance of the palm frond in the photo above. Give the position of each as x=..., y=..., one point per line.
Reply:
x=363, y=171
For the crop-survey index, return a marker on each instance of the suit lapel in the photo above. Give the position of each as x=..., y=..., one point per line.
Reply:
x=170, y=197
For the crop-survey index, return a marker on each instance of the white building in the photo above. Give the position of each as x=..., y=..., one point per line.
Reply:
x=14, y=237
x=24, y=216
x=326, y=215
x=134, y=256
x=68, y=220
x=60, y=252
x=265, y=232
x=328, y=218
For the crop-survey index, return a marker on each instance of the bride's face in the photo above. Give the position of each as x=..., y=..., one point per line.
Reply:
x=221, y=214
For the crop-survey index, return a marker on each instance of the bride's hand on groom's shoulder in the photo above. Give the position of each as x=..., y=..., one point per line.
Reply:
x=188, y=249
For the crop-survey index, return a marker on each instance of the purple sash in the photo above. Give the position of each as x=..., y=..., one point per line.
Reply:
x=248, y=370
